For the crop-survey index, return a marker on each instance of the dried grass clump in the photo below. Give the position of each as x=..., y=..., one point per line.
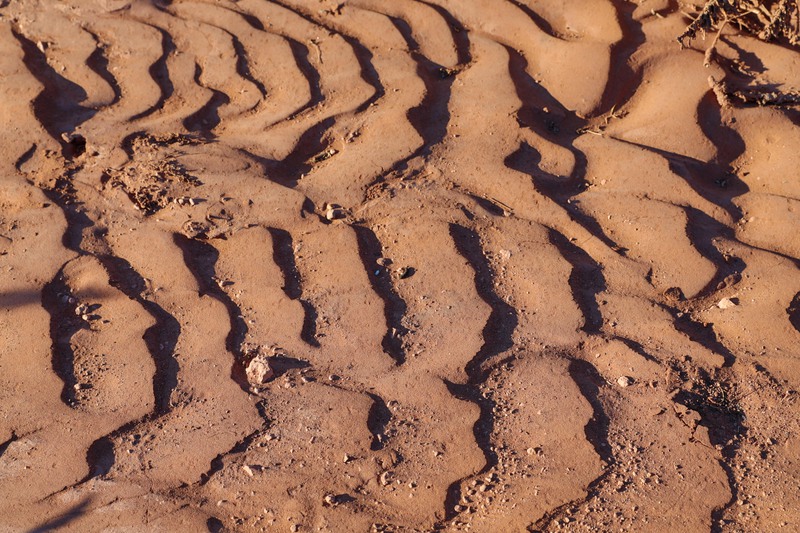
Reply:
x=761, y=96
x=769, y=20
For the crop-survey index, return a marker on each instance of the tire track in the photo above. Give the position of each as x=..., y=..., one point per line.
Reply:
x=546, y=117
x=703, y=232
x=124, y=66
x=589, y=382
x=623, y=80
x=212, y=75
x=713, y=184
x=200, y=258
x=290, y=169
x=497, y=335
x=503, y=320
x=316, y=137
x=300, y=54
x=586, y=280
x=243, y=64
x=64, y=323
x=161, y=338
x=363, y=55
x=539, y=21
x=351, y=322
x=159, y=72
x=243, y=60
x=98, y=62
x=206, y=119
x=243, y=445
x=724, y=428
x=57, y=107
x=457, y=30
x=190, y=101
x=284, y=256
x=193, y=68
x=431, y=117
x=227, y=72
x=701, y=333
x=394, y=308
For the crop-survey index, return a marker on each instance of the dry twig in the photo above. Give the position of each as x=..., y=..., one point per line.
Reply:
x=769, y=20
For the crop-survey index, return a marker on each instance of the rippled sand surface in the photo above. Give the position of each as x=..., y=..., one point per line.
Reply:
x=513, y=265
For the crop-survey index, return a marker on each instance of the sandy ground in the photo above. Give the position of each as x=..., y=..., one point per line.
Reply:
x=557, y=288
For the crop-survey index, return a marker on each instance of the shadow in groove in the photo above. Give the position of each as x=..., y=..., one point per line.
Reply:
x=497, y=339
x=57, y=106
x=586, y=280
x=549, y=119
x=201, y=259
x=161, y=338
x=589, y=382
x=283, y=255
x=394, y=307
x=794, y=312
x=63, y=519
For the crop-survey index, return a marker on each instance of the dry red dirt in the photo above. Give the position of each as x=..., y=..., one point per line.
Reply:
x=513, y=265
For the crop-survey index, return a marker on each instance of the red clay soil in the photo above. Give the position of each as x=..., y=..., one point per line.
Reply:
x=394, y=266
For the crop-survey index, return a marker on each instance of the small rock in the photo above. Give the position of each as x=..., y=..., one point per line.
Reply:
x=727, y=303
x=259, y=370
x=385, y=478
x=324, y=155
x=625, y=381
x=336, y=499
x=247, y=470
x=505, y=255
x=347, y=458
x=334, y=212
x=405, y=272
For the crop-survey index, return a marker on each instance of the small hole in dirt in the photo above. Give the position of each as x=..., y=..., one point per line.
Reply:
x=215, y=525
x=78, y=144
